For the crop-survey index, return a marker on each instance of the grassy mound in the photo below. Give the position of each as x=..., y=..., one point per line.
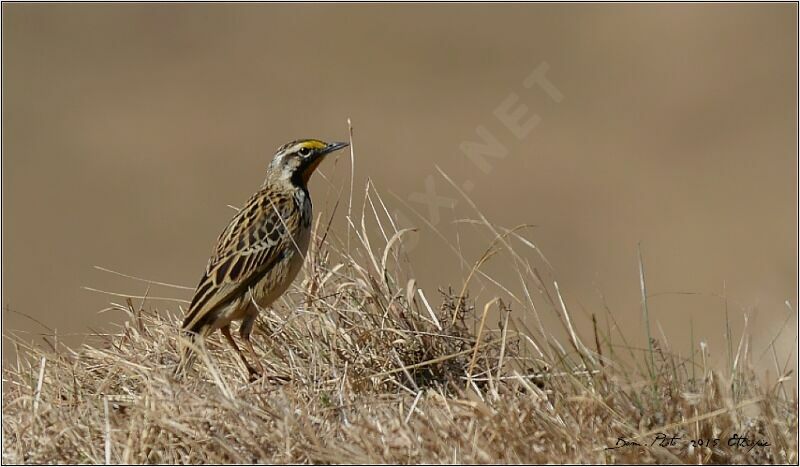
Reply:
x=381, y=371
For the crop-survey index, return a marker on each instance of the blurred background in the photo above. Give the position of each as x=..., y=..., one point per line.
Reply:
x=128, y=129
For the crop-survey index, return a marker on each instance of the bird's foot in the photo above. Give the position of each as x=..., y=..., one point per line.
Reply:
x=254, y=375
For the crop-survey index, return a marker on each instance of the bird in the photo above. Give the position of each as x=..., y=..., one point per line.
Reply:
x=259, y=253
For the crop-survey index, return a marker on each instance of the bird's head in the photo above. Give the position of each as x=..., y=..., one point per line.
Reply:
x=295, y=161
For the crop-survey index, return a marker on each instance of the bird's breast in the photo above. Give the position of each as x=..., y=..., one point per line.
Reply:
x=281, y=276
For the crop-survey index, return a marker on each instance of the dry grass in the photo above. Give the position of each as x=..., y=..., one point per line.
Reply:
x=383, y=372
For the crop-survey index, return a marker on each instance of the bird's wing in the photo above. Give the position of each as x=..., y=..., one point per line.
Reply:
x=254, y=241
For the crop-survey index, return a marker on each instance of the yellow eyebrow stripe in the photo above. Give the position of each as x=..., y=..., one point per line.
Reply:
x=312, y=144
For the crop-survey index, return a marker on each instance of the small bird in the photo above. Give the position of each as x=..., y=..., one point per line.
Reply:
x=260, y=252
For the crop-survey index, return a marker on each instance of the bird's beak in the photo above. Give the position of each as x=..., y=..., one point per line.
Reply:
x=334, y=147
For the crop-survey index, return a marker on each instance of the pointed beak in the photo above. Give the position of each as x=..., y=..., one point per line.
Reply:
x=334, y=147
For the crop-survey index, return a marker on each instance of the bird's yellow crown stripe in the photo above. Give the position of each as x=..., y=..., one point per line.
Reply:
x=312, y=144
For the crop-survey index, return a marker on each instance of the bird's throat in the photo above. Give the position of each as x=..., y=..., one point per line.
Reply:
x=308, y=169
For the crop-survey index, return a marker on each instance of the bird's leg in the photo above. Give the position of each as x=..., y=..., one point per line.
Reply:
x=226, y=331
x=244, y=332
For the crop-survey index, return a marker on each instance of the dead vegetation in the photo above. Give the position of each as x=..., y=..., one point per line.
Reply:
x=382, y=371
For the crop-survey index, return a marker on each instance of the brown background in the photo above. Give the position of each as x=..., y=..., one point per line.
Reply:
x=128, y=128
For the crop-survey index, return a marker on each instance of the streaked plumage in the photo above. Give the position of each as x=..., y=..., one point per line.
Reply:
x=260, y=252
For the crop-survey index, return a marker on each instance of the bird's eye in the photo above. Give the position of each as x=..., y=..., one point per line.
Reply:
x=304, y=152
